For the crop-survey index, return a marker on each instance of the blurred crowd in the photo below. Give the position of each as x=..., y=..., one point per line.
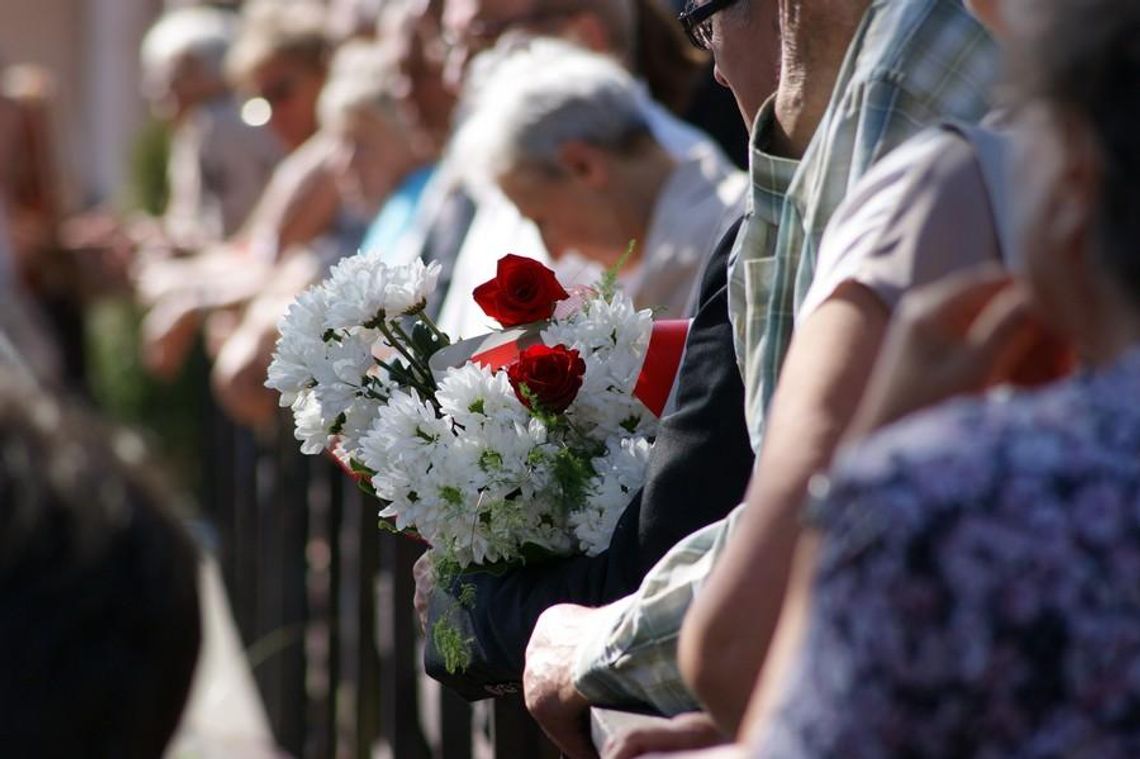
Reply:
x=298, y=134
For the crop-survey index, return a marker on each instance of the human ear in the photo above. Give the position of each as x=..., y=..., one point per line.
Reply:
x=585, y=162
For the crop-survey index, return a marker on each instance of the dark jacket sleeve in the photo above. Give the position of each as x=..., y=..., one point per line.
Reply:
x=698, y=473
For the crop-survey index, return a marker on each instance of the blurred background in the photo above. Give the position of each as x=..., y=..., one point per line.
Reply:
x=155, y=219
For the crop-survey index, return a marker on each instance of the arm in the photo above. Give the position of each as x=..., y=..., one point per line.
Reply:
x=823, y=378
x=700, y=466
x=900, y=228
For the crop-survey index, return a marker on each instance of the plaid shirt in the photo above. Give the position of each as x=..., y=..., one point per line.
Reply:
x=910, y=64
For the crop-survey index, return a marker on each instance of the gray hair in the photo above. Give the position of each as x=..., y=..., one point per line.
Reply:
x=525, y=99
x=361, y=76
x=204, y=34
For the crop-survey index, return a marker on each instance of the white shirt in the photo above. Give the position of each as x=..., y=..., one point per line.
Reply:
x=701, y=199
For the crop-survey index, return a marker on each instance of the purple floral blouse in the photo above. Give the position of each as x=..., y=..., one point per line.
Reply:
x=978, y=587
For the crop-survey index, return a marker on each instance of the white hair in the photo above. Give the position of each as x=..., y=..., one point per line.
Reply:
x=204, y=34
x=361, y=77
x=525, y=99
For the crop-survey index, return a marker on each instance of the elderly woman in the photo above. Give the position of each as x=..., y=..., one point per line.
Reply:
x=565, y=135
x=970, y=585
x=218, y=164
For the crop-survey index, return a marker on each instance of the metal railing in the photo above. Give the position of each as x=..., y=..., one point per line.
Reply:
x=323, y=600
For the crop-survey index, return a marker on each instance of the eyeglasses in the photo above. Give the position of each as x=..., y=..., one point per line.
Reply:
x=697, y=21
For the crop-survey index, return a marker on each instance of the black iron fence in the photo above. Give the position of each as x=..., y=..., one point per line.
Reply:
x=323, y=600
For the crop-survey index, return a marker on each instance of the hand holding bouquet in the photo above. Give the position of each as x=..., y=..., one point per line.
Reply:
x=525, y=444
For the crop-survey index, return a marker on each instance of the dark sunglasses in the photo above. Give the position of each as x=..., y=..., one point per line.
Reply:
x=696, y=20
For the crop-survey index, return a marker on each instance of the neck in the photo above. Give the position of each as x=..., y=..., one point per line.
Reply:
x=643, y=178
x=814, y=36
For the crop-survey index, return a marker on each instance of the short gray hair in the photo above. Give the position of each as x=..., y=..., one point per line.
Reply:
x=204, y=34
x=525, y=99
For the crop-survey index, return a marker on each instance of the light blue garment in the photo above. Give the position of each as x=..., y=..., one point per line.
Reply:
x=396, y=217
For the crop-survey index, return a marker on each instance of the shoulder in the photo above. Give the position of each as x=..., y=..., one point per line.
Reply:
x=908, y=42
x=918, y=214
x=914, y=62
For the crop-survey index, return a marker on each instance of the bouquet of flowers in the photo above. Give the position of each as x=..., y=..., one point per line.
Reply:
x=524, y=444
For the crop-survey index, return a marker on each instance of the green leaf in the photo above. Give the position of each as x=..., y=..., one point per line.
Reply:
x=359, y=468
x=467, y=595
x=452, y=646
x=478, y=407
x=572, y=472
x=491, y=461
x=608, y=284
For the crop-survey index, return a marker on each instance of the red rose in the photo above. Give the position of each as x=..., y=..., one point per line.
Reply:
x=552, y=376
x=522, y=291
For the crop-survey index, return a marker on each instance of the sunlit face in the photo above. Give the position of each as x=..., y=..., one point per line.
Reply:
x=291, y=88
x=570, y=215
x=366, y=143
x=746, y=47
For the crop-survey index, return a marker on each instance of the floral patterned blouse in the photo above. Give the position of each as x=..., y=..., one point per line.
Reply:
x=978, y=587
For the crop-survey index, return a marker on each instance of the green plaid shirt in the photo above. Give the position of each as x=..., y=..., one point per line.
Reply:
x=911, y=64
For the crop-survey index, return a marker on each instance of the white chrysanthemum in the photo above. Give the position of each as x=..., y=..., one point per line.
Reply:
x=345, y=373
x=311, y=428
x=402, y=445
x=300, y=349
x=362, y=289
x=472, y=393
x=408, y=287
x=621, y=473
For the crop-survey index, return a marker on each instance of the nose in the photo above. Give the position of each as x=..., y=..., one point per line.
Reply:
x=719, y=76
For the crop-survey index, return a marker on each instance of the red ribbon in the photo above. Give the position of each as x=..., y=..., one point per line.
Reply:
x=662, y=360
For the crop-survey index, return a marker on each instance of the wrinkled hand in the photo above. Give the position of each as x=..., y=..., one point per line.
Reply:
x=424, y=574
x=964, y=334
x=684, y=732
x=548, y=682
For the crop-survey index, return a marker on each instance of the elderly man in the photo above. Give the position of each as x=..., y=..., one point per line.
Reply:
x=857, y=80
x=608, y=27
x=700, y=464
x=564, y=134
